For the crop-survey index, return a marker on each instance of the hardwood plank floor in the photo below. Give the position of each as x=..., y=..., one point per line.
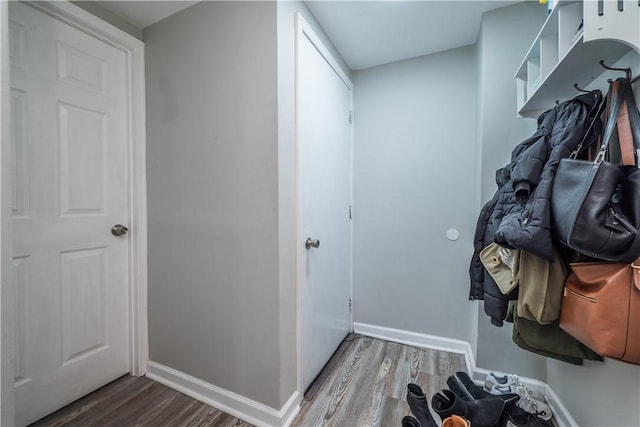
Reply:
x=364, y=384
x=138, y=401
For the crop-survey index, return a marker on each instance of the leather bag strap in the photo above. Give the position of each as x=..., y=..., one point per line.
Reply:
x=613, y=111
x=632, y=139
x=624, y=136
x=627, y=121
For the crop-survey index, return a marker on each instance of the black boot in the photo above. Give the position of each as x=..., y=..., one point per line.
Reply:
x=410, y=422
x=418, y=404
x=478, y=392
x=456, y=386
x=481, y=413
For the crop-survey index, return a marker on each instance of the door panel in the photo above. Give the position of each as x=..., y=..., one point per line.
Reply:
x=324, y=102
x=82, y=159
x=70, y=186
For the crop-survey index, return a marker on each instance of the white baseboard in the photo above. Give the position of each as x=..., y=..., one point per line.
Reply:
x=227, y=401
x=418, y=339
x=262, y=415
x=562, y=416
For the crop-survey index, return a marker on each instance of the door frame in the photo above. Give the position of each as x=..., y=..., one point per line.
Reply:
x=304, y=30
x=133, y=49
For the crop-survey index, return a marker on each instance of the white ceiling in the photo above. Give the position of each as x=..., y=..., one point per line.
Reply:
x=366, y=33
x=369, y=33
x=143, y=13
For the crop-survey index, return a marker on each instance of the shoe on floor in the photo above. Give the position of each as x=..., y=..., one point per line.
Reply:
x=462, y=379
x=532, y=405
x=419, y=406
x=410, y=422
x=480, y=413
x=521, y=418
x=507, y=384
x=455, y=421
x=456, y=386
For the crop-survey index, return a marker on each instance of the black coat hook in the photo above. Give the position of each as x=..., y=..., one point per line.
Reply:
x=575, y=85
x=627, y=71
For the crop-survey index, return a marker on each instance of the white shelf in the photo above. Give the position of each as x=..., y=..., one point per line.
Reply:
x=549, y=28
x=580, y=65
x=559, y=58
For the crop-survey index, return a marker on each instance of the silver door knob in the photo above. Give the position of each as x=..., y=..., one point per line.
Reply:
x=311, y=243
x=119, y=230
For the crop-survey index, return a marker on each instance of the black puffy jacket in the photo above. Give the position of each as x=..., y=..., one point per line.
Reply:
x=518, y=215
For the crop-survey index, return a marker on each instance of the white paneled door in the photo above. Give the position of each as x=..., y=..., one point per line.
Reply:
x=324, y=139
x=70, y=187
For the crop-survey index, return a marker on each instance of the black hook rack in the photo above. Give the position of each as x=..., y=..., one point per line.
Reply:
x=575, y=85
x=627, y=71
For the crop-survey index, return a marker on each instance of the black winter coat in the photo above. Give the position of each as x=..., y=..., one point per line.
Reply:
x=528, y=225
x=518, y=216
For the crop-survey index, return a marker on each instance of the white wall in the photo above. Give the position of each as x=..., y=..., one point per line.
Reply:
x=213, y=196
x=506, y=35
x=413, y=180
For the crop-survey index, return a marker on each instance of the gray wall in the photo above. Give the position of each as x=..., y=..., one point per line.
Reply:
x=477, y=173
x=505, y=36
x=598, y=394
x=213, y=196
x=413, y=180
x=7, y=372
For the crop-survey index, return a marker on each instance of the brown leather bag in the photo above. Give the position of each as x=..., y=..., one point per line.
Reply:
x=601, y=308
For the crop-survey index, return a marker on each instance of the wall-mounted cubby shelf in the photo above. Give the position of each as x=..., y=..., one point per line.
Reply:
x=559, y=58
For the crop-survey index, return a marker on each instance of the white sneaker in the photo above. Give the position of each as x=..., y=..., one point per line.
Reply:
x=506, y=384
x=532, y=405
x=502, y=381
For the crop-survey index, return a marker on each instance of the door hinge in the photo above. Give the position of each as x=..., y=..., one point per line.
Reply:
x=350, y=215
x=350, y=116
x=350, y=305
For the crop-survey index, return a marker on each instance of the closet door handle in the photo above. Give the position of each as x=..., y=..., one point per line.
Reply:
x=311, y=243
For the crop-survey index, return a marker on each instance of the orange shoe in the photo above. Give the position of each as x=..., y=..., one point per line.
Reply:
x=455, y=421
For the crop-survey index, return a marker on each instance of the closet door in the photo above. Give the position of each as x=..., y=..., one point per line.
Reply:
x=324, y=141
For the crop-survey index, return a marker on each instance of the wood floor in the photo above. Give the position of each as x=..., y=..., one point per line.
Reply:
x=364, y=384
x=138, y=401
